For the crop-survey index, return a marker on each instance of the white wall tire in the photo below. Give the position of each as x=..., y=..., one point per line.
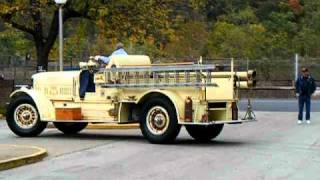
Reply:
x=26, y=116
x=23, y=117
x=158, y=121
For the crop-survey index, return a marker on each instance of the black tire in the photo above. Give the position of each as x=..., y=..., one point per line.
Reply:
x=162, y=107
x=32, y=113
x=70, y=127
x=204, y=133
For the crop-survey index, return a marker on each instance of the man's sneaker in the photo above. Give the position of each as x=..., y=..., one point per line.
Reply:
x=308, y=121
x=299, y=121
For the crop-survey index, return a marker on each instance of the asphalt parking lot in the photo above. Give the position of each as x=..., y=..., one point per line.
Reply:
x=277, y=105
x=275, y=147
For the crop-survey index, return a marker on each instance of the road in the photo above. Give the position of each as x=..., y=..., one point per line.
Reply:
x=277, y=105
x=275, y=147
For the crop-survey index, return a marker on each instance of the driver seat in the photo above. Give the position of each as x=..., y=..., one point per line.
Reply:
x=86, y=83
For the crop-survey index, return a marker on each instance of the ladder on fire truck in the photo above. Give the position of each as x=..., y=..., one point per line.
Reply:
x=190, y=75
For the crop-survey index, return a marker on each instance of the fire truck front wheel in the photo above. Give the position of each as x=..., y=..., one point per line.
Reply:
x=70, y=127
x=23, y=117
x=158, y=121
x=204, y=133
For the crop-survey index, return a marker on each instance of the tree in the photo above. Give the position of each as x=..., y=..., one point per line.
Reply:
x=307, y=40
x=238, y=34
x=13, y=42
x=215, y=8
x=39, y=18
x=122, y=19
x=189, y=41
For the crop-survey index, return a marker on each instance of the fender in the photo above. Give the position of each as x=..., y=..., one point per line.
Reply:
x=44, y=105
x=174, y=98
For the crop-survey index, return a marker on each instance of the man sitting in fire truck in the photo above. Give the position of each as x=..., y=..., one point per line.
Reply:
x=87, y=76
x=87, y=79
x=118, y=52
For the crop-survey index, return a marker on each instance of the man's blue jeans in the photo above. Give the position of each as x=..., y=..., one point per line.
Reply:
x=304, y=100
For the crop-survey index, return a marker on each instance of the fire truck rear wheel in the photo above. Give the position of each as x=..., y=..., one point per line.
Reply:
x=23, y=117
x=204, y=133
x=70, y=127
x=158, y=121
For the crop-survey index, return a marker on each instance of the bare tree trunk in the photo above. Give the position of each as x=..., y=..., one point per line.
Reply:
x=42, y=58
x=43, y=42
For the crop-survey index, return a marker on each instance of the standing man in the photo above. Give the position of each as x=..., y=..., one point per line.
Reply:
x=119, y=51
x=305, y=87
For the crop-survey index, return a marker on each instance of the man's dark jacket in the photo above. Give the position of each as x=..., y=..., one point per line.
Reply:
x=305, y=86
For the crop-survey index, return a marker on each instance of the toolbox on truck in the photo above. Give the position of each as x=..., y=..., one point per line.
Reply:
x=73, y=113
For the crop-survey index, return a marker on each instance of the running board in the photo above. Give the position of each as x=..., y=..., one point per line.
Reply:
x=182, y=123
x=239, y=121
x=87, y=121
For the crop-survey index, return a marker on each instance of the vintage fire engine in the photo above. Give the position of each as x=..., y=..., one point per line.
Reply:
x=160, y=97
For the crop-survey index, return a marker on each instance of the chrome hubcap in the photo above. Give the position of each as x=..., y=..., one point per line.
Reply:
x=157, y=120
x=25, y=116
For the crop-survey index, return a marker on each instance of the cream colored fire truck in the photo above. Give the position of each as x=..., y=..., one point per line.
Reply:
x=130, y=89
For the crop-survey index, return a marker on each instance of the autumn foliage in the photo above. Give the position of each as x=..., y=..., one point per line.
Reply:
x=295, y=6
x=182, y=29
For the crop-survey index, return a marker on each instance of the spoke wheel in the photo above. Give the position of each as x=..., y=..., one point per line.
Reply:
x=23, y=117
x=158, y=121
x=26, y=116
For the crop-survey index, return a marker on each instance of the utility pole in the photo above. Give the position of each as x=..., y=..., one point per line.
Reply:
x=60, y=3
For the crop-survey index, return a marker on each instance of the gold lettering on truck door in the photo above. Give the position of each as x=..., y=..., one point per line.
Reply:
x=53, y=91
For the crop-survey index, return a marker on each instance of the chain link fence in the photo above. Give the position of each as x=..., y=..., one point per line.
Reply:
x=20, y=70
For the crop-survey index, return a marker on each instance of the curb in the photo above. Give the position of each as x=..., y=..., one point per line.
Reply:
x=23, y=160
x=108, y=126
